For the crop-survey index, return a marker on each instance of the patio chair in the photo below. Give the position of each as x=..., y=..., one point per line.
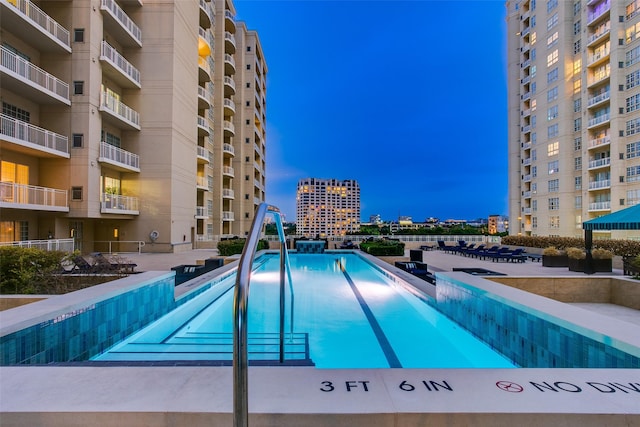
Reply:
x=487, y=252
x=503, y=251
x=474, y=251
x=515, y=255
x=81, y=265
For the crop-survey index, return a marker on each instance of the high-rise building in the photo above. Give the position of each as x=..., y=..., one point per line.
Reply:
x=327, y=207
x=574, y=113
x=126, y=122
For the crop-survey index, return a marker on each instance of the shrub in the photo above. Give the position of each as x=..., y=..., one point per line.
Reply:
x=599, y=253
x=28, y=270
x=626, y=248
x=235, y=246
x=576, y=253
x=551, y=251
x=383, y=247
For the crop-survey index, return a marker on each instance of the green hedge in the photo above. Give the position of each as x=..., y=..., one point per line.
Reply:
x=618, y=247
x=383, y=247
x=27, y=270
x=235, y=246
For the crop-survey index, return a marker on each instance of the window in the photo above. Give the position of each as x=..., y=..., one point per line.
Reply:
x=247, y=140
x=534, y=171
x=551, y=4
x=632, y=33
x=77, y=140
x=248, y=85
x=247, y=122
x=633, y=174
x=576, y=28
x=246, y=197
x=534, y=205
x=633, y=197
x=554, y=222
x=552, y=58
x=577, y=105
x=577, y=182
x=552, y=39
x=78, y=35
x=552, y=94
x=633, y=79
x=633, y=103
x=554, y=167
x=577, y=125
x=78, y=87
x=577, y=204
x=554, y=203
x=577, y=163
x=552, y=21
x=554, y=185
x=16, y=113
x=577, y=144
x=576, y=8
x=576, y=47
x=533, y=70
x=248, y=66
x=246, y=177
x=246, y=158
x=534, y=188
x=633, y=150
x=553, y=149
x=534, y=155
x=534, y=86
x=577, y=85
x=552, y=131
x=76, y=193
x=248, y=48
x=552, y=75
x=534, y=222
x=632, y=56
x=533, y=54
x=632, y=9
x=552, y=113
x=632, y=126
x=577, y=66
x=247, y=103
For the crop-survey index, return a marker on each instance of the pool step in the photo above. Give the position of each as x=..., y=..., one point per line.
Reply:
x=262, y=348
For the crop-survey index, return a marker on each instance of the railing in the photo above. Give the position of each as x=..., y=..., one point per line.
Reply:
x=230, y=82
x=206, y=36
x=600, y=141
x=230, y=38
x=65, y=245
x=34, y=74
x=228, y=193
x=229, y=59
x=202, y=211
x=599, y=98
x=600, y=10
x=240, y=305
x=24, y=194
x=230, y=104
x=204, y=153
x=606, y=161
x=227, y=125
x=201, y=181
x=44, y=21
x=600, y=206
x=206, y=6
x=229, y=16
x=23, y=131
x=118, y=155
x=117, y=107
x=600, y=119
x=228, y=170
x=601, y=183
x=228, y=148
x=119, y=244
x=598, y=56
x=601, y=31
x=118, y=202
x=228, y=216
x=119, y=61
x=119, y=15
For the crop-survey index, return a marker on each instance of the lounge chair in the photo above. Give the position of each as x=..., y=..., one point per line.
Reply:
x=466, y=249
x=516, y=255
x=105, y=265
x=474, y=251
x=418, y=269
x=486, y=252
x=499, y=253
x=81, y=265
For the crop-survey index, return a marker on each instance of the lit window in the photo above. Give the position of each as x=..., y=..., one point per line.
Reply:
x=553, y=148
x=552, y=58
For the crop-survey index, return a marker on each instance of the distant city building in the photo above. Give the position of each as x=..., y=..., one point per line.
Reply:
x=327, y=207
x=498, y=224
x=130, y=122
x=375, y=219
x=573, y=114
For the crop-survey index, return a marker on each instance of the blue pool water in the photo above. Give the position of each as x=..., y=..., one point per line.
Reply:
x=347, y=314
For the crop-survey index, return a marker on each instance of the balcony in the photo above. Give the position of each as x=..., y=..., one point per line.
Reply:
x=32, y=197
x=204, y=98
x=526, y=178
x=526, y=194
x=228, y=149
x=257, y=200
x=526, y=145
x=599, y=163
x=204, y=70
x=526, y=64
x=599, y=142
x=229, y=86
x=202, y=183
x=118, y=204
x=119, y=25
x=117, y=68
x=202, y=212
x=527, y=95
x=34, y=26
x=229, y=107
x=597, y=99
x=526, y=211
x=526, y=129
x=32, y=140
x=25, y=78
x=203, y=127
x=600, y=206
x=118, y=158
x=227, y=216
x=205, y=42
x=526, y=162
x=228, y=171
x=599, y=34
x=204, y=155
x=206, y=14
x=204, y=237
x=229, y=21
x=117, y=113
x=598, y=57
x=229, y=127
x=229, y=43
x=599, y=184
x=600, y=120
x=228, y=193
x=229, y=65
x=600, y=11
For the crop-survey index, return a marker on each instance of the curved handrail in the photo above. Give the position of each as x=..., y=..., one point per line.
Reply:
x=240, y=303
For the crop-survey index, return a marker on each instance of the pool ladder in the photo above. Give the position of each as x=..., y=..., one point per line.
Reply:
x=240, y=303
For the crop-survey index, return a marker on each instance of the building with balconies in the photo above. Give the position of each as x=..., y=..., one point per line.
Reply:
x=107, y=134
x=574, y=113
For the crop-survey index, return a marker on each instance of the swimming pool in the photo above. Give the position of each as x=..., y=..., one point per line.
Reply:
x=347, y=314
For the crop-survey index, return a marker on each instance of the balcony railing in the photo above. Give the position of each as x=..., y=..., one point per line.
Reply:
x=601, y=31
x=599, y=98
x=227, y=216
x=229, y=59
x=597, y=56
x=598, y=12
x=33, y=197
x=118, y=155
x=228, y=170
x=204, y=237
x=202, y=212
x=526, y=194
x=35, y=75
x=227, y=125
x=526, y=178
x=110, y=54
x=119, y=15
x=115, y=203
x=33, y=135
x=228, y=148
x=203, y=153
x=526, y=162
x=600, y=141
x=601, y=183
x=112, y=104
x=42, y=20
x=228, y=193
x=230, y=38
x=202, y=182
x=230, y=104
x=526, y=145
x=526, y=211
x=230, y=82
x=600, y=206
x=599, y=163
x=599, y=120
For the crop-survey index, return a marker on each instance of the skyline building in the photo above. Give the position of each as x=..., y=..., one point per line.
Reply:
x=327, y=207
x=126, y=123
x=573, y=113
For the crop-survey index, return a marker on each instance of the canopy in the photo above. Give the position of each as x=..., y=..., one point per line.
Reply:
x=625, y=219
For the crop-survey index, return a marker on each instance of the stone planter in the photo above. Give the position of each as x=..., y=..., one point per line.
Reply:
x=599, y=265
x=555, y=260
x=576, y=264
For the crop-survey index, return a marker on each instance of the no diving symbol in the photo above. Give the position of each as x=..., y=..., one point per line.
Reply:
x=509, y=386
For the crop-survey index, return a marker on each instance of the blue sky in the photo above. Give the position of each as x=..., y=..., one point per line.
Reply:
x=407, y=97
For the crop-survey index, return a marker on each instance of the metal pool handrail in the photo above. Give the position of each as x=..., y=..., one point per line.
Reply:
x=240, y=303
